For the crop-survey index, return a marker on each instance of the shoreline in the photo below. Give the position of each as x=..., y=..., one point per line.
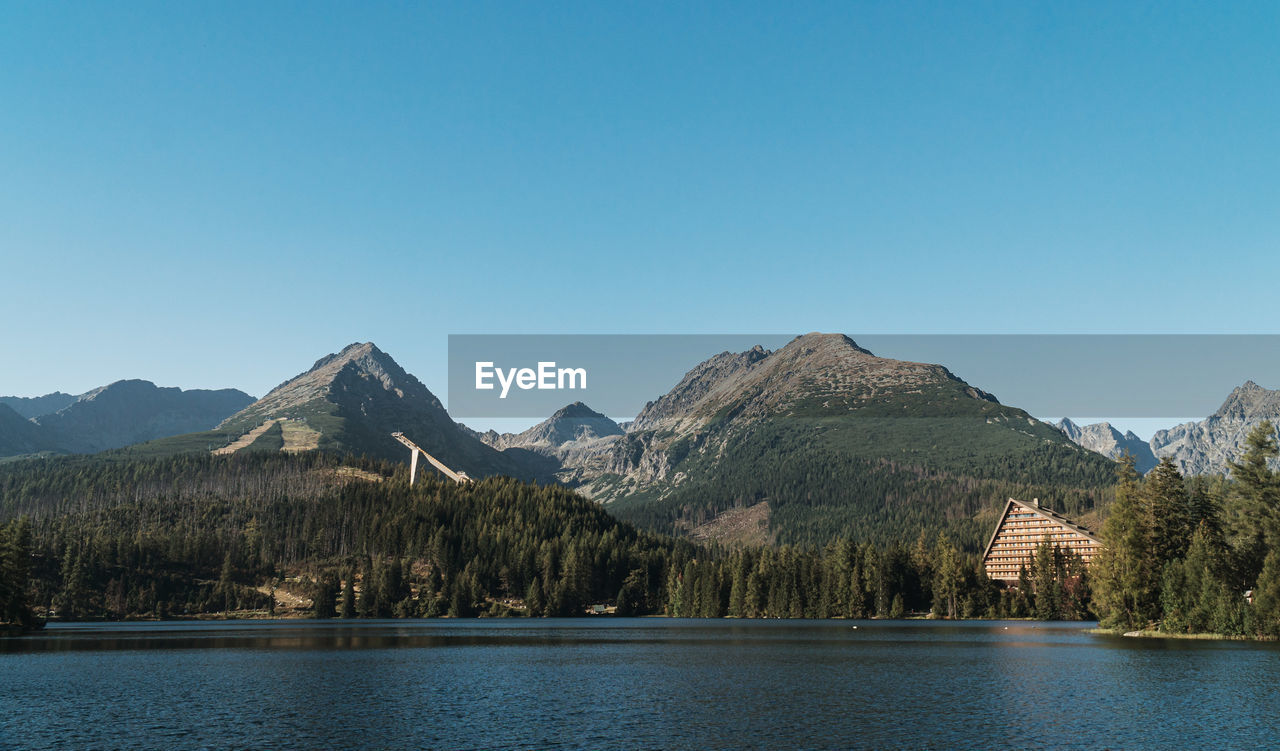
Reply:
x=1151, y=634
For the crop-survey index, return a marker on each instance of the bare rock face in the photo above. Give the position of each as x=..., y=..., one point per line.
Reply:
x=1210, y=445
x=718, y=373
x=128, y=412
x=1103, y=438
x=575, y=442
x=574, y=423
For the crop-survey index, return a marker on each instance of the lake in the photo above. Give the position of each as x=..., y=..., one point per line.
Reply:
x=629, y=683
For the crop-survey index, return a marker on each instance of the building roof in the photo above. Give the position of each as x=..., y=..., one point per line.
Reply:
x=1035, y=507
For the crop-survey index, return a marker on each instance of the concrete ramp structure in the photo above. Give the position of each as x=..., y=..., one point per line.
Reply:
x=414, y=450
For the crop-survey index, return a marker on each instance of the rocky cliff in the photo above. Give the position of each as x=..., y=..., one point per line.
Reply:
x=1104, y=439
x=1208, y=446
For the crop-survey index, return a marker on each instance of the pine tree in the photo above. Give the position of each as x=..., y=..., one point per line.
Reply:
x=226, y=584
x=631, y=596
x=15, y=573
x=1126, y=580
x=1266, y=597
x=366, y=602
x=324, y=599
x=74, y=601
x=349, y=595
x=534, y=603
x=738, y=588
x=1048, y=586
x=948, y=577
x=1256, y=501
x=1168, y=513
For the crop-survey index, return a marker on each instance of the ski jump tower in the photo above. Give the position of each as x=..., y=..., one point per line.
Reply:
x=414, y=450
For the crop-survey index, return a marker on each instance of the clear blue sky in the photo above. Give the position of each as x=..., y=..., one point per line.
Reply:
x=217, y=194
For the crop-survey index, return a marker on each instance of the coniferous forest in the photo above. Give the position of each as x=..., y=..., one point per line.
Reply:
x=1195, y=555
x=187, y=536
x=112, y=537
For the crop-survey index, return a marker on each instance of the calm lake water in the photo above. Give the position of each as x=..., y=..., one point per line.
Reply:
x=629, y=683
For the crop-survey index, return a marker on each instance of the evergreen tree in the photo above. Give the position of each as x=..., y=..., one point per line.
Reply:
x=75, y=599
x=15, y=573
x=1256, y=501
x=366, y=602
x=1048, y=586
x=740, y=564
x=535, y=603
x=1266, y=597
x=1204, y=504
x=631, y=596
x=324, y=599
x=1126, y=585
x=349, y=595
x=948, y=577
x=1168, y=513
x=226, y=584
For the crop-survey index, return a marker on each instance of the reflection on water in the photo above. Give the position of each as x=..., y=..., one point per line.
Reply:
x=635, y=683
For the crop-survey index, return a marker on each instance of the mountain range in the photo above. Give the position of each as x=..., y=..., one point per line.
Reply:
x=1104, y=439
x=1207, y=446
x=817, y=439
x=112, y=416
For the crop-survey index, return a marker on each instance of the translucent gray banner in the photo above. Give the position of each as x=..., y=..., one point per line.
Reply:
x=1052, y=375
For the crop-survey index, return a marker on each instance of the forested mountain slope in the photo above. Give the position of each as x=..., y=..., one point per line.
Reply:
x=200, y=533
x=840, y=443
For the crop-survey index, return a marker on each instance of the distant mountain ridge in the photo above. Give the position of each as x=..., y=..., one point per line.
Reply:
x=132, y=411
x=116, y=415
x=818, y=439
x=1104, y=439
x=36, y=406
x=1203, y=447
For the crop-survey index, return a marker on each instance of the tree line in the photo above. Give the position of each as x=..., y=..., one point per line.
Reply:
x=849, y=580
x=190, y=535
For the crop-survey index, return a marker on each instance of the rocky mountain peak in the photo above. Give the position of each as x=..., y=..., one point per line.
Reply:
x=575, y=410
x=352, y=401
x=1210, y=445
x=819, y=343
x=716, y=372
x=570, y=424
x=357, y=367
x=1249, y=398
